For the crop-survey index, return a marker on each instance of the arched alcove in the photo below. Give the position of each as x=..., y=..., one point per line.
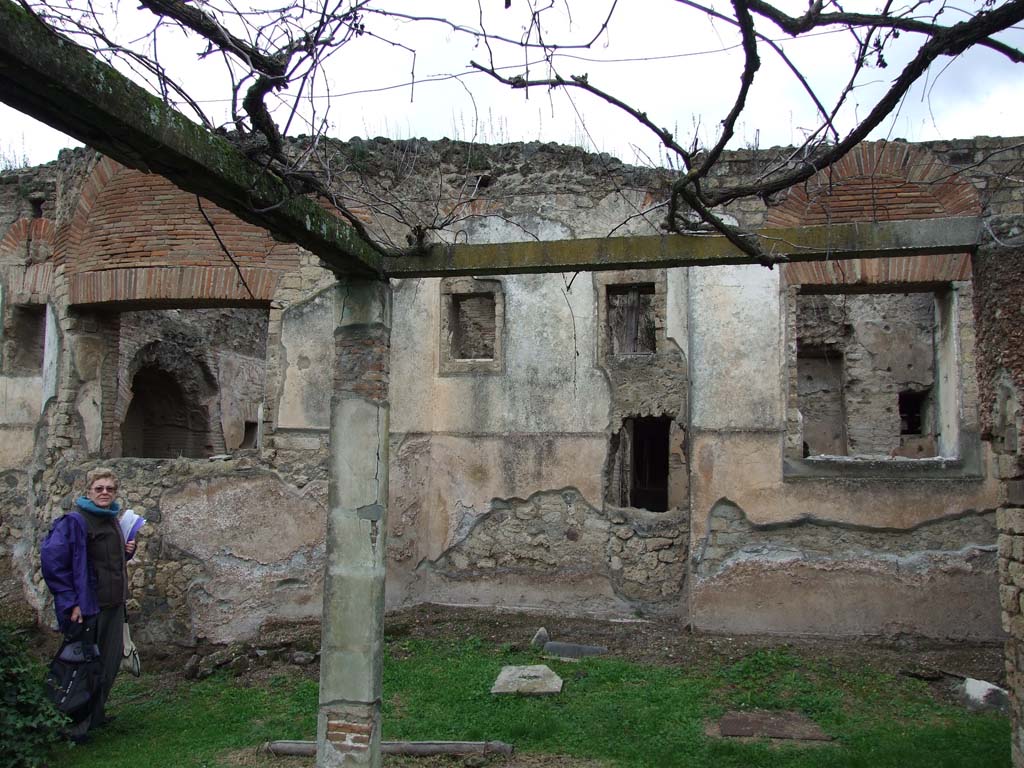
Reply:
x=170, y=412
x=162, y=420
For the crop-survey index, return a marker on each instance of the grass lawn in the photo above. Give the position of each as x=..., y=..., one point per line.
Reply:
x=617, y=713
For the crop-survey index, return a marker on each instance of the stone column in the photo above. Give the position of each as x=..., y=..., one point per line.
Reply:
x=348, y=724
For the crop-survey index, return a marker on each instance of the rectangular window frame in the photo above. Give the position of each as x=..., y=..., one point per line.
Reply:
x=959, y=447
x=451, y=291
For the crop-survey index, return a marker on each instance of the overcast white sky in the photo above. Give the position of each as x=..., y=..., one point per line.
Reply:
x=667, y=60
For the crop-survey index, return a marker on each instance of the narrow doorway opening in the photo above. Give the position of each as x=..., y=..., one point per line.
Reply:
x=250, y=435
x=640, y=465
x=649, y=482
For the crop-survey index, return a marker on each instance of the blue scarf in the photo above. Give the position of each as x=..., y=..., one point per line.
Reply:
x=83, y=502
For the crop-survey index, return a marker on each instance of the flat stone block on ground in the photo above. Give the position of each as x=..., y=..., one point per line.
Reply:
x=532, y=680
x=771, y=725
x=572, y=650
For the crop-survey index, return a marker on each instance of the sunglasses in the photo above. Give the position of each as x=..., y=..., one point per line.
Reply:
x=102, y=488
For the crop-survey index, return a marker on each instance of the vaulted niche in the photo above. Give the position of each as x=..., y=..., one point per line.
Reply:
x=163, y=421
x=190, y=382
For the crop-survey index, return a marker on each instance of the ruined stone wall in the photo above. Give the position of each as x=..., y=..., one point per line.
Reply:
x=745, y=389
x=87, y=350
x=999, y=306
x=870, y=353
x=228, y=546
x=501, y=467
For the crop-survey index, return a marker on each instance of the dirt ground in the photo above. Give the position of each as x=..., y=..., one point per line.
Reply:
x=652, y=642
x=665, y=643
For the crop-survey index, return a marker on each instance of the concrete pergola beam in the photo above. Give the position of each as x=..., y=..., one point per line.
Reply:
x=835, y=241
x=61, y=84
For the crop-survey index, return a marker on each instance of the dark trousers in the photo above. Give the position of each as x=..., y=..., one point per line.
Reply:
x=110, y=639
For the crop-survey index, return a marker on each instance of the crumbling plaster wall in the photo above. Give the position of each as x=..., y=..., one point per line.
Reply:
x=450, y=518
x=496, y=478
x=464, y=445
x=737, y=454
x=228, y=546
x=194, y=577
x=739, y=374
x=27, y=205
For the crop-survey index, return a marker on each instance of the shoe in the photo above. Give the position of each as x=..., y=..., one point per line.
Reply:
x=79, y=739
x=107, y=720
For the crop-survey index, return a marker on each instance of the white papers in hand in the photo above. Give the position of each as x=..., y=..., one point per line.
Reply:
x=130, y=524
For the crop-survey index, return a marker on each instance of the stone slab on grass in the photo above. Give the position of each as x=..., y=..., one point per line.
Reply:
x=533, y=680
x=792, y=726
x=572, y=650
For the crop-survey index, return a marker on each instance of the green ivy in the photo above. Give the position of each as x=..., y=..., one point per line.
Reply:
x=29, y=723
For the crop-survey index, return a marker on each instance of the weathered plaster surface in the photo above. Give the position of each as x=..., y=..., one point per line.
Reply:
x=736, y=353
x=549, y=384
x=20, y=400
x=747, y=469
x=947, y=597
x=443, y=483
x=815, y=576
x=307, y=338
x=257, y=543
x=51, y=357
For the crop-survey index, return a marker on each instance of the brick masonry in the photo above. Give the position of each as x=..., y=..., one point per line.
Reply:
x=137, y=237
x=363, y=361
x=347, y=735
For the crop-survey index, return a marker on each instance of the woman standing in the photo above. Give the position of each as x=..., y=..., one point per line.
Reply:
x=83, y=563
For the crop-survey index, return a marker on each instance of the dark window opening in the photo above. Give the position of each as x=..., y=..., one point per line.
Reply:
x=250, y=435
x=640, y=464
x=25, y=339
x=912, y=410
x=161, y=423
x=473, y=326
x=631, y=321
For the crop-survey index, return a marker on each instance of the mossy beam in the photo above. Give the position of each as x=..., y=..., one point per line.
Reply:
x=60, y=83
x=837, y=241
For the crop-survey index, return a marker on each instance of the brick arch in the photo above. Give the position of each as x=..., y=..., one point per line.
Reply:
x=136, y=239
x=31, y=242
x=878, y=181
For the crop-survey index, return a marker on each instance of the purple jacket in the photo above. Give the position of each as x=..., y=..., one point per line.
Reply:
x=66, y=570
